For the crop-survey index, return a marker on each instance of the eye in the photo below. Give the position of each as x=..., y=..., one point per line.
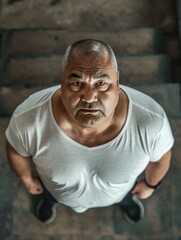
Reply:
x=102, y=85
x=76, y=86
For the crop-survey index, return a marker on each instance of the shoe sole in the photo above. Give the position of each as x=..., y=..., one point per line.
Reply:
x=53, y=216
x=142, y=211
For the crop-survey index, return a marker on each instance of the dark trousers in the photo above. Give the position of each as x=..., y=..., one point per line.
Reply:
x=126, y=200
x=50, y=200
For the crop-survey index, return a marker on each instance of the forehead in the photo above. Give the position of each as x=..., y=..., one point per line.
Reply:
x=90, y=61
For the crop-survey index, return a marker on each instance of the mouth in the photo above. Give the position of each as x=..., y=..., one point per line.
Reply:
x=89, y=111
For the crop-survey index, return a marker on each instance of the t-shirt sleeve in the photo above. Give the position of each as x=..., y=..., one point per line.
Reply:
x=15, y=139
x=163, y=141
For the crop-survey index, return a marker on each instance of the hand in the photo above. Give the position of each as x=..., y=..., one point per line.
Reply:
x=34, y=186
x=141, y=190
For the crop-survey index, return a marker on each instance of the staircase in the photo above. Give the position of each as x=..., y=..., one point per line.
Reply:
x=33, y=61
x=34, y=36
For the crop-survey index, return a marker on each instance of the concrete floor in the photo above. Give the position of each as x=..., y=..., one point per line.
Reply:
x=162, y=219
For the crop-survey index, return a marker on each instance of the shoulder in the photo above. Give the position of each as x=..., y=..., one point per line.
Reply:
x=145, y=103
x=145, y=112
x=36, y=100
x=35, y=109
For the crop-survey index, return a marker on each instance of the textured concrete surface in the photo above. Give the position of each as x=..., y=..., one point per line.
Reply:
x=66, y=14
x=176, y=183
x=167, y=95
x=178, y=4
x=145, y=69
x=83, y=15
x=10, y=98
x=5, y=186
x=47, y=42
x=158, y=221
x=46, y=70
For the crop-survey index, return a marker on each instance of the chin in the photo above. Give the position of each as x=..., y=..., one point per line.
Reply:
x=89, y=123
x=89, y=120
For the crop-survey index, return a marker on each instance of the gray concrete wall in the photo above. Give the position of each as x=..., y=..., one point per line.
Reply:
x=86, y=15
x=178, y=4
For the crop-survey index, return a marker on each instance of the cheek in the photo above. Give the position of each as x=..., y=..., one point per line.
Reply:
x=70, y=100
x=108, y=103
x=110, y=97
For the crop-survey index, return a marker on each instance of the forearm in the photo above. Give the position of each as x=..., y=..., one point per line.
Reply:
x=155, y=171
x=21, y=165
x=23, y=168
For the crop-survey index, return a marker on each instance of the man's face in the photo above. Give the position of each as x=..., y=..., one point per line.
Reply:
x=90, y=89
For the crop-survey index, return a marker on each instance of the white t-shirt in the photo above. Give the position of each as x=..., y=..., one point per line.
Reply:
x=85, y=177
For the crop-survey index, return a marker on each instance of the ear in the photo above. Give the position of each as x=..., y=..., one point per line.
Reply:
x=62, y=77
x=118, y=76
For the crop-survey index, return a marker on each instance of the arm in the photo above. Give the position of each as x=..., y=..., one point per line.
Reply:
x=154, y=173
x=23, y=168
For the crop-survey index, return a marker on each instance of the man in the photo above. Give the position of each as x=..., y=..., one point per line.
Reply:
x=90, y=138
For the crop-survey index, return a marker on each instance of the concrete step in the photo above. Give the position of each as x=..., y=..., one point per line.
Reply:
x=47, y=42
x=10, y=98
x=176, y=128
x=145, y=69
x=4, y=166
x=178, y=6
x=46, y=70
x=92, y=15
x=166, y=94
x=1, y=66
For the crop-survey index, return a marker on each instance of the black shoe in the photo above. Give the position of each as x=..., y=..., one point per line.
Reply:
x=46, y=213
x=133, y=212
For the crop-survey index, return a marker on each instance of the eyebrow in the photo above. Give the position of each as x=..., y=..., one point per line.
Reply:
x=102, y=75
x=74, y=75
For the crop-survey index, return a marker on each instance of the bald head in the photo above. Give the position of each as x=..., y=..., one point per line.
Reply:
x=89, y=47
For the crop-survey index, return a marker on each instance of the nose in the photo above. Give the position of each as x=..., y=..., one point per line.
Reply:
x=89, y=94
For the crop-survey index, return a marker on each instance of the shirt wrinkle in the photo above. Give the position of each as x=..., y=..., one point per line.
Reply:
x=83, y=177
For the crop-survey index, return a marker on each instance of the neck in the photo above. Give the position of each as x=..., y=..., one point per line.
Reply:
x=96, y=135
x=93, y=130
